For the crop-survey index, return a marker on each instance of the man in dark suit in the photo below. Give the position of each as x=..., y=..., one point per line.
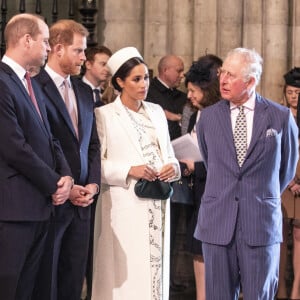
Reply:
x=31, y=161
x=250, y=148
x=70, y=107
x=163, y=90
x=96, y=72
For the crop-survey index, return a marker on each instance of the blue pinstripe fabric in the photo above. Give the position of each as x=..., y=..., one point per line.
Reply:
x=250, y=194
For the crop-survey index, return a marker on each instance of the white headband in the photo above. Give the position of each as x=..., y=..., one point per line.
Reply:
x=120, y=57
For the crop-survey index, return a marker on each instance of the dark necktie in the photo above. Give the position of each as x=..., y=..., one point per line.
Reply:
x=70, y=106
x=240, y=136
x=31, y=93
x=98, y=101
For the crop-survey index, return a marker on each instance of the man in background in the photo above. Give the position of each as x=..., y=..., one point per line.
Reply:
x=96, y=73
x=163, y=90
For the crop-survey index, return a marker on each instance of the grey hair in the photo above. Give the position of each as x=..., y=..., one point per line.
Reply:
x=252, y=63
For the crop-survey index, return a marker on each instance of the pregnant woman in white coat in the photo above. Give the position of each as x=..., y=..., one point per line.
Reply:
x=131, y=233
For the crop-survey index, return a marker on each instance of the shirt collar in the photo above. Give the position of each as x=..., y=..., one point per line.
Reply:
x=249, y=104
x=85, y=80
x=58, y=79
x=163, y=83
x=18, y=69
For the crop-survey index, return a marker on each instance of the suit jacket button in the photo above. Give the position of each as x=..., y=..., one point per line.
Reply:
x=236, y=198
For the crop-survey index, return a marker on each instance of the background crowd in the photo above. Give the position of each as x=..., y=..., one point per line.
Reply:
x=89, y=124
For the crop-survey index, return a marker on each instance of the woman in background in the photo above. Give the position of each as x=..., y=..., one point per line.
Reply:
x=132, y=234
x=291, y=201
x=203, y=90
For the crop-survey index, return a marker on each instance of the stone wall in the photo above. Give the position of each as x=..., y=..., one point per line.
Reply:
x=191, y=28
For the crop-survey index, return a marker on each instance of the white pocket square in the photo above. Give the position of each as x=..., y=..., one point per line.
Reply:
x=271, y=132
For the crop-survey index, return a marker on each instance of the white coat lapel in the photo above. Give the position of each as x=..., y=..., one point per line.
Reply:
x=158, y=124
x=126, y=124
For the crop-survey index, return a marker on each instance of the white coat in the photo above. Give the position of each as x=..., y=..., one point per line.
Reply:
x=121, y=251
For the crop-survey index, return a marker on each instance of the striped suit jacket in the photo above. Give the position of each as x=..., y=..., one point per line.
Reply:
x=252, y=192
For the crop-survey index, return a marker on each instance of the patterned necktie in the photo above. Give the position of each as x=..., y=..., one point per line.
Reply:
x=240, y=136
x=70, y=106
x=31, y=93
x=98, y=101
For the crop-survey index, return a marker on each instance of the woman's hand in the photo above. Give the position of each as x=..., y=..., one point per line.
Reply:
x=167, y=172
x=143, y=171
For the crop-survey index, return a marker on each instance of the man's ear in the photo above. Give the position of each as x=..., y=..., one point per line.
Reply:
x=27, y=39
x=250, y=83
x=88, y=64
x=58, y=49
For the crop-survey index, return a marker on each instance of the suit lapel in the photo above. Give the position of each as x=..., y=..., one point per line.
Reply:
x=156, y=122
x=54, y=96
x=26, y=97
x=259, y=123
x=126, y=124
x=223, y=116
x=81, y=111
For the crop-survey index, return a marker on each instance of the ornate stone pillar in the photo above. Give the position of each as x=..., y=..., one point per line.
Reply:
x=88, y=10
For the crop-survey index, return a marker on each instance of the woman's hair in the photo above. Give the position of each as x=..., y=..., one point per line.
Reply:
x=124, y=71
x=204, y=74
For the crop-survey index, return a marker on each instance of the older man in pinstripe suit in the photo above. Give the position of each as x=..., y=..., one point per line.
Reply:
x=240, y=215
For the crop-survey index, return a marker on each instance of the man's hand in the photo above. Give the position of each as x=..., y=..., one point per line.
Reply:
x=83, y=196
x=62, y=193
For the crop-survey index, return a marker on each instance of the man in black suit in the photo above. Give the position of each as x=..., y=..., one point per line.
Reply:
x=31, y=161
x=163, y=90
x=70, y=107
x=96, y=72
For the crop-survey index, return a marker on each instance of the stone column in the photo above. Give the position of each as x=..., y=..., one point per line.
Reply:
x=275, y=44
x=294, y=31
x=204, y=28
x=123, y=24
x=181, y=29
x=230, y=27
x=252, y=26
x=155, y=32
x=168, y=30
